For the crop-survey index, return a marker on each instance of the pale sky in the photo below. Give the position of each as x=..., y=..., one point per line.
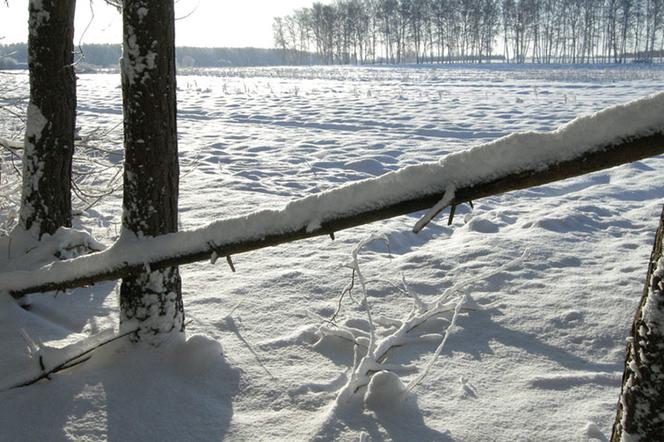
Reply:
x=218, y=23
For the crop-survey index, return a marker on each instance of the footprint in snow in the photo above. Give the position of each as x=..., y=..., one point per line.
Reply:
x=569, y=319
x=592, y=432
x=482, y=226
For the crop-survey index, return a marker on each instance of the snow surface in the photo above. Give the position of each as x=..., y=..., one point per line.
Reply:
x=539, y=353
x=508, y=155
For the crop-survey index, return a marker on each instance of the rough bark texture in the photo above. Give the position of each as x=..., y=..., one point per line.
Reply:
x=152, y=300
x=640, y=415
x=49, y=140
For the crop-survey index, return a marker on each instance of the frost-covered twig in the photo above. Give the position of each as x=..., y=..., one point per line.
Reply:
x=416, y=299
x=436, y=354
x=347, y=290
x=356, y=336
x=373, y=361
x=96, y=170
x=355, y=265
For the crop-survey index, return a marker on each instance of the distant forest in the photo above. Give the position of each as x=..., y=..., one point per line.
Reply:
x=435, y=31
x=431, y=31
x=91, y=56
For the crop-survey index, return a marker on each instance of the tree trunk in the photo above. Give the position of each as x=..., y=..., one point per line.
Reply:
x=151, y=301
x=640, y=416
x=49, y=137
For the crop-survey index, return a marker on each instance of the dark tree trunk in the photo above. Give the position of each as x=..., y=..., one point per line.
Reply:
x=49, y=137
x=640, y=415
x=151, y=301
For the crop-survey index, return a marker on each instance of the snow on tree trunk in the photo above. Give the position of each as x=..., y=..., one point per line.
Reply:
x=49, y=137
x=640, y=414
x=151, y=301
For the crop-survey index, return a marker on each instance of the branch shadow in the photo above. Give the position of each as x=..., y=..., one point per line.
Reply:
x=399, y=421
x=404, y=420
x=481, y=328
x=229, y=323
x=185, y=393
x=52, y=322
x=73, y=311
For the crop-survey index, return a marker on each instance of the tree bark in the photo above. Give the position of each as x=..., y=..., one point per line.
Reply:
x=150, y=301
x=49, y=138
x=640, y=415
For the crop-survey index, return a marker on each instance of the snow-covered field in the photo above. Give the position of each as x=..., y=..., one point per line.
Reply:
x=553, y=274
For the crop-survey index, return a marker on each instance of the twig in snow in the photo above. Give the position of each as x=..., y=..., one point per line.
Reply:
x=34, y=349
x=233, y=310
x=373, y=361
x=355, y=265
x=347, y=290
x=418, y=301
x=76, y=360
x=427, y=368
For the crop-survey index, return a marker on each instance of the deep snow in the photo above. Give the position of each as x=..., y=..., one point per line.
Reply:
x=537, y=355
x=515, y=153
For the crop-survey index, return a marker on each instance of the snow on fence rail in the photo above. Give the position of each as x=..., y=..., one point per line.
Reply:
x=614, y=136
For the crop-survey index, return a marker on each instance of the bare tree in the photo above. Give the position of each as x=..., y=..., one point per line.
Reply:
x=152, y=300
x=279, y=36
x=654, y=13
x=403, y=31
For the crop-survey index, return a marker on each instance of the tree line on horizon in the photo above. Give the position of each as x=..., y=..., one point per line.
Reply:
x=15, y=56
x=438, y=31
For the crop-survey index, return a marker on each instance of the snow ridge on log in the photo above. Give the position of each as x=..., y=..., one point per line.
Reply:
x=611, y=137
